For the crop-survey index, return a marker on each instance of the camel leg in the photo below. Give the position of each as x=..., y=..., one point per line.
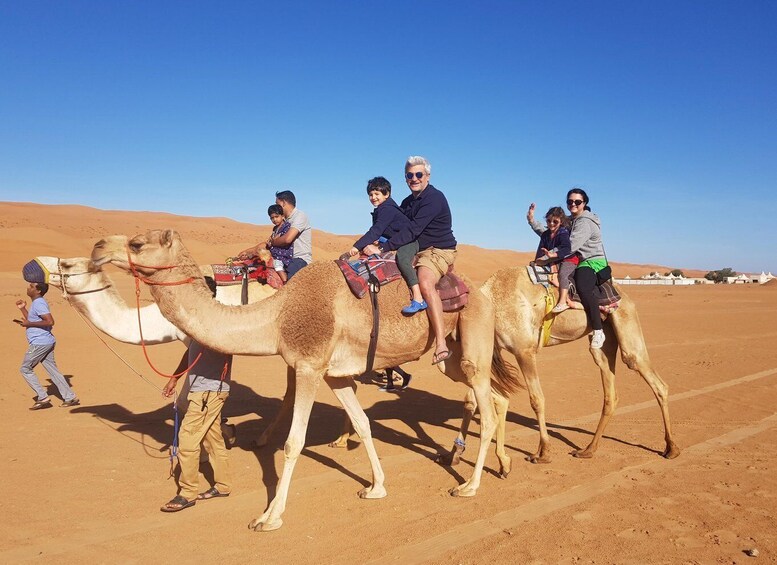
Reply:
x=453, y=457
x=605, y=360
x=501, y=404
x=476, y=331
x=347, y=429
x=635, y=356
x=307, y=382
x=482, y=388
x=286, y=406
x=527, y=361
x=345, y=389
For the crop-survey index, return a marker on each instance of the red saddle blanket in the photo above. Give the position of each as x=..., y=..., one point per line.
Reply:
x=357, y=270
x=231, y=273
x=453, y=291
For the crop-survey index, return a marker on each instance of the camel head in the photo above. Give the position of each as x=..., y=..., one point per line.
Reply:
x=112, y=249
x=147, y=251
x=74, y=275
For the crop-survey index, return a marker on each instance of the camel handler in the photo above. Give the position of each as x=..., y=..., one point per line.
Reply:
x=208, y=381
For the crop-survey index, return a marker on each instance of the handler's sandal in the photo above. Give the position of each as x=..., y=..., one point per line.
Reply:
x=597, y=339
x=414, y=307
x=68, y=403
x=560, y=307
x=41, y=404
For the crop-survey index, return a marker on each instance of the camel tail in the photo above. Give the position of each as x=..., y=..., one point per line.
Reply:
x=506, y=377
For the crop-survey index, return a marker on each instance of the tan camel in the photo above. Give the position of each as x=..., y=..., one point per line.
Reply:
x=322, y=331
x=92, y=293
x=520, y=311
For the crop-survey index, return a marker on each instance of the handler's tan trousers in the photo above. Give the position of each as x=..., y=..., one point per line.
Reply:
x=202, y=423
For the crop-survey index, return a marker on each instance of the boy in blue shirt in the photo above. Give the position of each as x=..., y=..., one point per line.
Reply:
x=38, y=322
x=387, y=221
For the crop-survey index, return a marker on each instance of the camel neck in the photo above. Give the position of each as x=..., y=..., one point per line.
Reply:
x=110, y=314
x=239, y=330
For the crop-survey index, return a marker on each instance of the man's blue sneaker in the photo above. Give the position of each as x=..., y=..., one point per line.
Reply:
x=414, y=307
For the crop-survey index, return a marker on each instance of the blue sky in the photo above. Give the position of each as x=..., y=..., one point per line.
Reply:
x=665, y=112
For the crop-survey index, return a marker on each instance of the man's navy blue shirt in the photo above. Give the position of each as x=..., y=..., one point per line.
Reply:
x=430, y=222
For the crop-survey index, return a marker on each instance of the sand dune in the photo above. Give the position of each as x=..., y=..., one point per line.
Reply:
x=69, y=231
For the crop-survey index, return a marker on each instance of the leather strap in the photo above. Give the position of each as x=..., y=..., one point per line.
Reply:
x=374, y=286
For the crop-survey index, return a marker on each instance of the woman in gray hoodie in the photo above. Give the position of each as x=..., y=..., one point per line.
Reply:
x=586, y=241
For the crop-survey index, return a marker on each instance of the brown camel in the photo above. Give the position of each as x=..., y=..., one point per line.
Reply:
x=520, y=311
x=322, y=331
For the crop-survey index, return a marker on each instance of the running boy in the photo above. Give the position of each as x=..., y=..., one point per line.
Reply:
x=38, y=322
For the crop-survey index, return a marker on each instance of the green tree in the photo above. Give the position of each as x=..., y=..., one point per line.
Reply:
x=720, y=275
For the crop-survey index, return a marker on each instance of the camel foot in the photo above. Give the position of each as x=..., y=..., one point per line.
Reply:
x=373, y=492
x=671, y=450
x=582, y=453
x=448, y=459
x=463, y=491
x=453, y=457
x=538, y=459
x=258, y=525
x=505, y=467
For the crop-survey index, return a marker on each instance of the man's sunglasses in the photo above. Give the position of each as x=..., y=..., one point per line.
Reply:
x=419, y=175
x=575, y=202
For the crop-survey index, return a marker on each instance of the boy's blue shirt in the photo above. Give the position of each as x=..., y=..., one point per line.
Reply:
x=387, y=221
x=35, y=335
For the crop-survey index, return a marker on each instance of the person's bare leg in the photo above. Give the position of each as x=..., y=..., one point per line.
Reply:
x=427, y=279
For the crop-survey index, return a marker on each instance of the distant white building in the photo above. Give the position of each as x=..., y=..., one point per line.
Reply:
x=760, y=279
x=656, y=278
x=739, y=279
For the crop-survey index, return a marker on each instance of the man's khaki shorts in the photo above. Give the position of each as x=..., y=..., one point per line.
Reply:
x=436, y=260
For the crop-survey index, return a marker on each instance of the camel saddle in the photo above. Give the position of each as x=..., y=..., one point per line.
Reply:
x=234, y=271
x=453, y=291
x=368, y=273
x=605, y=293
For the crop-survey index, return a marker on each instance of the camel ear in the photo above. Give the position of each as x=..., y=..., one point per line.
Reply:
x=166, y=239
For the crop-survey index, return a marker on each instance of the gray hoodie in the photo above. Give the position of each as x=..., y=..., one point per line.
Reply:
x=586, y=237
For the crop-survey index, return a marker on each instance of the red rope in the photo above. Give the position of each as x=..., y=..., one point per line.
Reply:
x=138, y=278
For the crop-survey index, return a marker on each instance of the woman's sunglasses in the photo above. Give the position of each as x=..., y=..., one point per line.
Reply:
x=574, y=202
x=419, y=176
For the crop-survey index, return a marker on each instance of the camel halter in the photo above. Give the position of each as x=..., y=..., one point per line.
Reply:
x=139, y=278
x=63, y=280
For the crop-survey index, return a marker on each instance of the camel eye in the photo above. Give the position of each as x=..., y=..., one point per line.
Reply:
x=135, y=246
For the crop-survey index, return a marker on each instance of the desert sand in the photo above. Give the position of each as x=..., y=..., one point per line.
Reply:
x=85, y=484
